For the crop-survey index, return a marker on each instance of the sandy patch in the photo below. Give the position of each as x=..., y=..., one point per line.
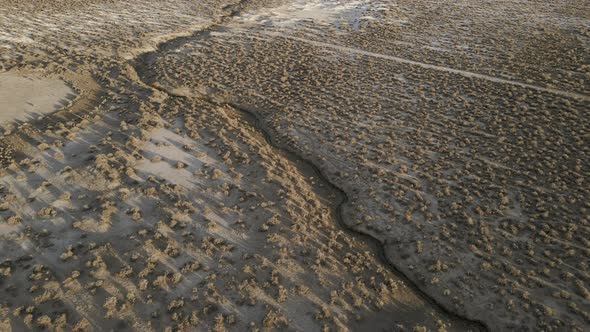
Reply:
x=26, y=97
x=350, y=13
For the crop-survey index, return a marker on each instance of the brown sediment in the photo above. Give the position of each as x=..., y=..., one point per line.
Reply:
x=432, y=168
x=142, y=65
x=114, y=211
x=376, y=124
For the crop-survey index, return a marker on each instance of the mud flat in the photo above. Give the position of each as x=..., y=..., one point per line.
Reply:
x=138, y=208
x=468, y=160
x=300, y=165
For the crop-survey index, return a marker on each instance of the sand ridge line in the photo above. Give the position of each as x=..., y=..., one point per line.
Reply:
x=328, y=106
x=90, y=152
x=141, y=63
x=338, y=202
x=464, y=73
x=341, y=200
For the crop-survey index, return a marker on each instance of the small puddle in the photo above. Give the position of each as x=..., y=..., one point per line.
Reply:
x=25, y=98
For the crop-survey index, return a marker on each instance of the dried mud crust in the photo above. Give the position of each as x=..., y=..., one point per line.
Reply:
x=475, y=181
x=133, y=209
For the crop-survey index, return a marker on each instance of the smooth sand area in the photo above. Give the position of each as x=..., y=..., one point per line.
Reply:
x=26, y=97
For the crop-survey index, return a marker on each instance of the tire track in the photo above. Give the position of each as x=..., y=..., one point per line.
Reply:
x=468, y=74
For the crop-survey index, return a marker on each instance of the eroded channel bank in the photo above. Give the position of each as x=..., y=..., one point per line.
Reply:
x=432, y=146
x=135, y=210
x=143, y=65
